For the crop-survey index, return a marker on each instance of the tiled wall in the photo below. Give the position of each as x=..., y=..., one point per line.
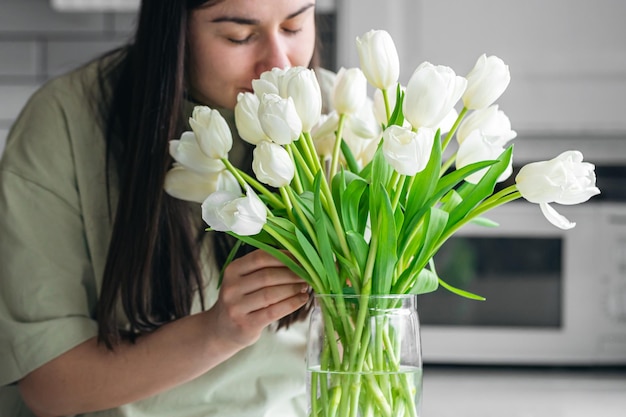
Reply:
x=37, y=43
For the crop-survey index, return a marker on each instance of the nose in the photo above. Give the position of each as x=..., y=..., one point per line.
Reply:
x=273, y=53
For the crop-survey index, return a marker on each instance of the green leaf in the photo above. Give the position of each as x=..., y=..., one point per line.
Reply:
x=311, y=255
x=485, y=222
x=424, y=182
x=460, y=292
x=426, y=242
x=384, y=232
x=474, y=194
x=349, y=156
x=323, y=232
x=444, y=185
x=359, y=248
x=229, y=259
x=278, y=254
x=435, y=225
x=350, y=205
x=426, y=281
x=397, y=116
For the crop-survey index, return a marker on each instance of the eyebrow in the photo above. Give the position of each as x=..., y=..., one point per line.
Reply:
x=244, y=21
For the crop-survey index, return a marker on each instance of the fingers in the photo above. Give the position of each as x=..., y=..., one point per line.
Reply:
x=256, y=291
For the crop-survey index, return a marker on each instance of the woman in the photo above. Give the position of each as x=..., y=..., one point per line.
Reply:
x=109, y=304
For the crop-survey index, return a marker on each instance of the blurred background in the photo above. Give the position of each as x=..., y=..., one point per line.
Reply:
x=551, y=339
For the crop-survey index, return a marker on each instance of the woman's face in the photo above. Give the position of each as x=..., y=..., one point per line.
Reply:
x=234, y=41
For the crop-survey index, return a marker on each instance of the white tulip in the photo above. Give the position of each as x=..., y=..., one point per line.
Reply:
x=565, y=179
x=302, y=86
x=406, y=151
x=272, y=164
x=212, y=132
x=279, y=119
x=269, y=82
x=490, y=121
x=378, y=59
x=363, y=122
x=247, y=118
x=188, y=185
x=431, y=94
x=477, y=147
x=486, y=82
x=446, y=124
x=323, y=134
x=349, y=91
x=186, y=151
x=227, y=211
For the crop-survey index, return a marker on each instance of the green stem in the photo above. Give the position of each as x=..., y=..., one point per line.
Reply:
x=337, y=147
x=452, y=131
x=304, y=219
x=447, y=164
x=244, y=179
x=297, y=182
x=398, y=189
x=386, y=101
x=314, y=279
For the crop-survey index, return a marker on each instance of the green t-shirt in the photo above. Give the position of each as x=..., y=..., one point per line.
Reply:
x=54, y=232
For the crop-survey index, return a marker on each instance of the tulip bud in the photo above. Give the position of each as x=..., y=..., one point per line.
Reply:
x=272, y=164
x=350, y=90
x=186, y=151
x=188, y=185
x=491, y=122
x=302, y=86
x=431, y=94
x=379, y=59
x=279, y=119
x=247, y=119
x=227, y=211
x=212, y=132
x=477, y=147
x=406, y=151
x=486, y=82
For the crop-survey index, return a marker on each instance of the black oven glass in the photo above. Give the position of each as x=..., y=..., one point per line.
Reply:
x=520, y=277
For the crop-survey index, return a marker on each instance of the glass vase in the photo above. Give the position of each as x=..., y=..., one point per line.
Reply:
x=364, y=357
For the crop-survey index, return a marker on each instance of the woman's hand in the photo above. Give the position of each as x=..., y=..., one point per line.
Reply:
x=256, y=291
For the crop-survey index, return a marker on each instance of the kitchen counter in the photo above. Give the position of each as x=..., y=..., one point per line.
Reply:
x=451, y=391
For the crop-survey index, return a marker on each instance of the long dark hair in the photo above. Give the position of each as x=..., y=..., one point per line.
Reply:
x=153, y=267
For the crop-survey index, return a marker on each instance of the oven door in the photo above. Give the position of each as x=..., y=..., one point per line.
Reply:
x=545, y=288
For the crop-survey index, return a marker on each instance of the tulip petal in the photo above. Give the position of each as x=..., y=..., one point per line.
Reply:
x=555, y=218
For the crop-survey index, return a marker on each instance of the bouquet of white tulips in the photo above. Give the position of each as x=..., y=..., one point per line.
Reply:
x=362, y=197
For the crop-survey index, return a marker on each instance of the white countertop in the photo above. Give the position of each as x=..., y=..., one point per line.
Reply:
x=523, y=392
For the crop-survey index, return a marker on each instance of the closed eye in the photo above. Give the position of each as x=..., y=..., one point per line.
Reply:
x=243, y=41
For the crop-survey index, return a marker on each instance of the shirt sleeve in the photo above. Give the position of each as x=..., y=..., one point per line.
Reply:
x=47, y=294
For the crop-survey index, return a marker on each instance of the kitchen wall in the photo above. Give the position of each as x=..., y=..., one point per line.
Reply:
x=37, y=43
x=567, y=60
x=567, y=57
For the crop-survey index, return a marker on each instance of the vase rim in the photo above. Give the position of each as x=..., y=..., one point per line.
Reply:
x=375, y=296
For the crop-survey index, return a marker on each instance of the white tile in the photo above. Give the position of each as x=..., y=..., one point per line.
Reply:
x=38, y=16
x=124, y=22
x=67, y=55
x=19, y=58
